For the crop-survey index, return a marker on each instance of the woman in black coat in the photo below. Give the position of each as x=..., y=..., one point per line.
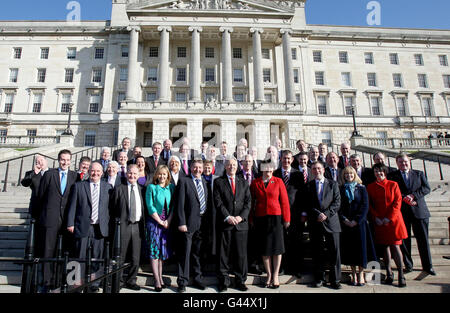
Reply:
x=356, y=240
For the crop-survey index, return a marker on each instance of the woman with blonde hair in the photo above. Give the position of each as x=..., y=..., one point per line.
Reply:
x=158, y=198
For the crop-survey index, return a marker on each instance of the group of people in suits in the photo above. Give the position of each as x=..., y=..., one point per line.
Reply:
x=233, y=210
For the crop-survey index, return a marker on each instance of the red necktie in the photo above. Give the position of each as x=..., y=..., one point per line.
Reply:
x=156, y=161
x=305, y=176
x=214, y=170
x=346, y=161
x=81, y=175
x=233, y=187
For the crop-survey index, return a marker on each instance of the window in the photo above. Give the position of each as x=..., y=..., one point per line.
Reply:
x=368, y=57
x=97, y=75
x=346, y=81
x=348, y=102
x=123, y=74
x=181, y=74
x=268, y=98
x=9, y=101
x=372, y=79
x=68, y=76
x=443, y=60
x=41, y=75
x=427, y=106
x=393, y=57
x=13, y=74
x=423, y=82
x=94, y=103
x=152, y=74
x=397, y=80
x=446, y=81
x=124, y=51
x=181, y=52
x=31, y=134
x=400, y=102
x=209, y=52
x=99, y=53
x=296, y=79
x=180, y=97
x=237, y=53
x=238, y=97
x=44, y=53
x=320, y=80
x=210, y=96
x=238, y=75
x=266, y=75
x=343, y=57
x=17, y=53
x=317, y=56
x=297, y=98
x=89, y=138
x=71, y=53
x=151, y=96
x=294, y=53
x=418, y=58
x=153, y=53
x=3, y=135
x=120, y=97
x=326, y=138
x=322, y=104
x=375, y=103
x=65, y=103
x=37, y=103
x=265, y=53
x=210, y=74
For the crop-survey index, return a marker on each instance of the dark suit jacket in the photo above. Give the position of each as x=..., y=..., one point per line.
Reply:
x=32, y=180
x=188, y=203
x=341, y=163
x=366, y=175
x=119, y=180
x=419, y=187
x=151, y=163
x=256, y=168
x=228, y=204
x=330, y=176
x=105, y=167
x=85, y=177
x=189, y=167
x=164, y=157
x=293, y=185
x=115, y=155
x=219, y=169
x=80, y=208
x=180, y=174
x=358, y=209
x=52, y=204
x=330, y=206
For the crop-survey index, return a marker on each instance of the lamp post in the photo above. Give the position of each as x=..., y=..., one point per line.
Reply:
x=355, y=130
x=68, y=131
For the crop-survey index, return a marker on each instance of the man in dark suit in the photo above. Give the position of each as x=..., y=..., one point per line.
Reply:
x=313, y=155
x=414, y=187
x=209, y=243
x=363, y=172
x=105, y=158
x=83, y=168
x=137, y=152
x=344, y=159
x=248, y=172
x=88, y=216
x=253, y=151
x=128, y=205
x=126, y=147
x=112, y=177
x=218, y=167
x=332, y=171
x=378, y=158
x=156, y=159
x=32, y=179
x=54, y=190
x=123, y=159
x=167, y=151
x=302, y=147
x=323, y=203
x=232, y=201
x=185, y=159
x=191, y=194
x=323, y=151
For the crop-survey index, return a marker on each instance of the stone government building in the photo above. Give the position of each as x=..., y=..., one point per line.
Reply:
x=220, y=70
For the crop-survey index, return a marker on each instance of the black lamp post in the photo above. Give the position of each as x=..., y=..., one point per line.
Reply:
x=68, y=131
x=355, y=130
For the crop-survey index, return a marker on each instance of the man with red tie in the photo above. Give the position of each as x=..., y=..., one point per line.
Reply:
x=83, y=168
x=218, y=167
x=156, y=159
x=344, y=159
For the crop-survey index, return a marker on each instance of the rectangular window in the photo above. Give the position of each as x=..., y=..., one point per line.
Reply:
x=427, y=106
x=348, y=101
x=3, y=135
x=238, y=76
x=65, y=102
x=320, y=80
x=9, y=101
x=418, y=58
x=71, y=53
x=44, y=53
x=446, y=81
x=401, y=106
x=268, y=98
x=124, y=51
x=123, y=74
x=153, y=53
x=346, y=81
x=443, y=60
x=294, y=53
x=151, y=96
x=31, y=134
x=423, y=82
x=120, y=97
x=368, y=57
x=297, y=98
x=13, y=74
x=97, y=75
x=180, y=97
x=68, y=76
x=238, y=97
x=210, y=74
x=17, y=53
x=94, y=103
x=375, y=103
x=209, y=52
x=296, y=79
x=343, y=57
x=326, y=138
x=266, y=75
x=181, y=52
x=89, y=138
x=37, y=103
x=397, y=80
x=322, y=105
x=152, y=74
x=317, y=56
x=237, y=53
x=99, y=53
x=41, y=75
x=181, y=74
x=372, y=79
x=265, y=53
x=393, y=57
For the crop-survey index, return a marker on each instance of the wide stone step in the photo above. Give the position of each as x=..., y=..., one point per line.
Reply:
x=16, y=221
x=12, y=244
x=438, y=260
x=12, y=253
x=438, y=233
x=435, y=250
x=443, y=214
x=10, y=266
x=13, y=235
x=14, y=210
x=10, y=277
x=14, y=228
x=7, y=216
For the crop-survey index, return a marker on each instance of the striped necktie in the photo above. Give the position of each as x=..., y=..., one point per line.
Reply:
x=201, y=196
x=94, y=215
x=286, y=178
x=305, y=176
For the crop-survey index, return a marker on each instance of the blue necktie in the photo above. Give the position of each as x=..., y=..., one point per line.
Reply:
x=201, y=196
x=406, y=179
x=63, y=182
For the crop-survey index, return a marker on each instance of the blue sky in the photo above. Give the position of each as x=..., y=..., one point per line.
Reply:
x=394, y=13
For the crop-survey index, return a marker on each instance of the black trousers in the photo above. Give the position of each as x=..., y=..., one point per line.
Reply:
x=292, y=260
x=233, y=252
x=131, y=239
x=321, y=240
x=420, y=229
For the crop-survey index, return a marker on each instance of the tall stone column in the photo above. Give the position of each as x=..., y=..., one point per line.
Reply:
x=288, y=67
x=160, y=129
x=262, y=131
x=227, y=70
x=133, y=68
x=195, y=132
x=257, y=64
x=228, y=133
x=163, y=73
x=194, y=69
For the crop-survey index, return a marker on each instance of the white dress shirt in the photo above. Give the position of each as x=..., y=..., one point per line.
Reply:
x=112, y=180
x=138, y=200
x=175, y=176
x=91, y=184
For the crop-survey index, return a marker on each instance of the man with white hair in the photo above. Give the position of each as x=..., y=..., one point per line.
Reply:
x=112, y=176
x=32, y=179
x=167, y=151
x=313, y=155
x=243, y=142
x=344, y=159
x=363, y=172
x=218, y=167
x=105, y=158
x=272, y=152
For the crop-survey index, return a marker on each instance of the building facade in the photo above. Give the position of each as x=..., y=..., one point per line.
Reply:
x=220, y=70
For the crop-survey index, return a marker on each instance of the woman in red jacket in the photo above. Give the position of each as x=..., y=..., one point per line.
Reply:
x=385, y=202
x=270, y=212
